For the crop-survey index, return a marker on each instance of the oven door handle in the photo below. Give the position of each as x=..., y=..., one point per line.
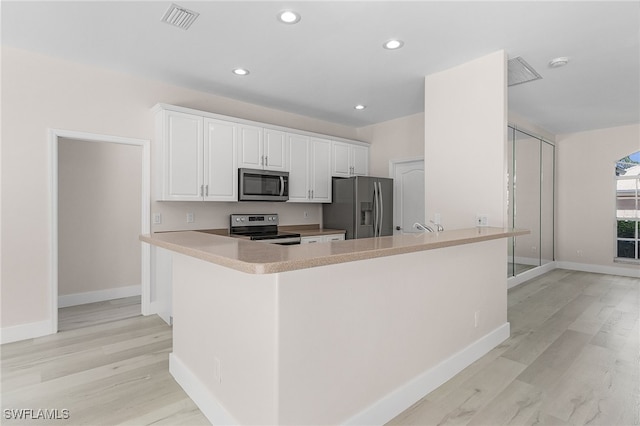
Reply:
x=281, y=186
x=281, y=241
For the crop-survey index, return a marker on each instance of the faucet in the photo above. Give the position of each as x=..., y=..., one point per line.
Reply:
x=422, y=227
x=439, y=227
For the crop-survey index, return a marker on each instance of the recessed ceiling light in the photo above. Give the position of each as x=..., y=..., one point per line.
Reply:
x=240, y=71
x=359, y=107
x=393, y=44
x=559, y=62
x=289, y=17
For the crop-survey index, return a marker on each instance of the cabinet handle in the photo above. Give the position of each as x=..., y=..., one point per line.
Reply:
x=262, y=160
x=312, y=194
x=308, y=193
x=266, y=160
x=206, y=191
x=202, y=190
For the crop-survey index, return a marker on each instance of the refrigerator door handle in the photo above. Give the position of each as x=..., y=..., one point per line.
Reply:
x=381, y=209
x=375, y=209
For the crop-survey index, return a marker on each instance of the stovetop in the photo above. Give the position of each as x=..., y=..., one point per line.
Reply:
x=257, y=226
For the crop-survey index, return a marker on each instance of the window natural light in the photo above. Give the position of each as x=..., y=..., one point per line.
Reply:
x=627, y=207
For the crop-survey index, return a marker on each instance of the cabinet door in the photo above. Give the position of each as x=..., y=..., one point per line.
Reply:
x=341, y=166
x=298, y=168
x=220, y=170
x=276, y=151
x=250, y=154
x=182, y=157
x=311, y=240
x=360, y=160
x=320, y=171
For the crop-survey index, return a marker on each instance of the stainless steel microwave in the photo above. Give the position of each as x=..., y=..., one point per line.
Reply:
x=262, y=185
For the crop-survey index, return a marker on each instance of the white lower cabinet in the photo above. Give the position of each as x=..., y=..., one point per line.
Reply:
x=321, y=238
x=162, y=283
x=309, y=169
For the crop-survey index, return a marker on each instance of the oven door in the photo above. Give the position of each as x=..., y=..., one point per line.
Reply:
x=280, y=239
x=262, y=185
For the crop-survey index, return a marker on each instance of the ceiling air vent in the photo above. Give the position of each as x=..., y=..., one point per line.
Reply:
x=179, y=17
x=521, y=72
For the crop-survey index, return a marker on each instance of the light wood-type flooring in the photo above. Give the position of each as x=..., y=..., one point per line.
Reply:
x=110, y=367
x=572, y=359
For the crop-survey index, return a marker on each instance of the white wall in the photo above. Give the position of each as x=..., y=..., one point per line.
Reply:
x=401, y=138
x=99, y=209
x=465, y=142
x=40, y=92
x=330, y=345
x=586, y=195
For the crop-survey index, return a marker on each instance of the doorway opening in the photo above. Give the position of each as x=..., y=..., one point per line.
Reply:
x=91, y=207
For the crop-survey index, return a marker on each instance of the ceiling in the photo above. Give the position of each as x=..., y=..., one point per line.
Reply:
x=333, y=58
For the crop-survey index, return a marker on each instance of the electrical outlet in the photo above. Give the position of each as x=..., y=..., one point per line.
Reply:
x=157, y=218
x=437, y=219
x=306, y=215
x=190, y=218
x=482, y=220
x=476, y=319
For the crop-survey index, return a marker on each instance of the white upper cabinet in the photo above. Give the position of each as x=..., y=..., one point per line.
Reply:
x=198, y=155
x=349, y=159
x=310, y=169
x=196, y=159
x=220, y=171
x=276, y=150
x=263, y=149
x=320, y=173
x=298, y=168
x=180, y=156
x=360, y=160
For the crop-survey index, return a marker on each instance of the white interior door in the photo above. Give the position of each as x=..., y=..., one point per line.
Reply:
x=408, y=202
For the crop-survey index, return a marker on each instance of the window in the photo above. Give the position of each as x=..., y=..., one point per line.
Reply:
x=627, y=207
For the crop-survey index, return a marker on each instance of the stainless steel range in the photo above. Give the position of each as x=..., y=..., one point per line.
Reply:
x=261, y=228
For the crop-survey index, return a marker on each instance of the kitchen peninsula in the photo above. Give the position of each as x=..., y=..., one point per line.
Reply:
x=348, y=332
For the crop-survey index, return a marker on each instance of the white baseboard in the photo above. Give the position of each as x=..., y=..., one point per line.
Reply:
x=404, y=397
x=26, y=331
x=633, y=272
x=381, y=411
x=198, y=392
x=98, y=296
x=530, y=274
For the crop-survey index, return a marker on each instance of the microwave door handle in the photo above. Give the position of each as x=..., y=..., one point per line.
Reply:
x=281, y=186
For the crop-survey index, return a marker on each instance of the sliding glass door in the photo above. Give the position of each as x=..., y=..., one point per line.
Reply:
x=531, y=200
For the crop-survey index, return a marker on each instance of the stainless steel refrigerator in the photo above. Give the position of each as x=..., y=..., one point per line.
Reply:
x=363, y=205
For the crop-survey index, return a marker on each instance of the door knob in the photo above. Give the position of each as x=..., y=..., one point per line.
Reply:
x=398, y=228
